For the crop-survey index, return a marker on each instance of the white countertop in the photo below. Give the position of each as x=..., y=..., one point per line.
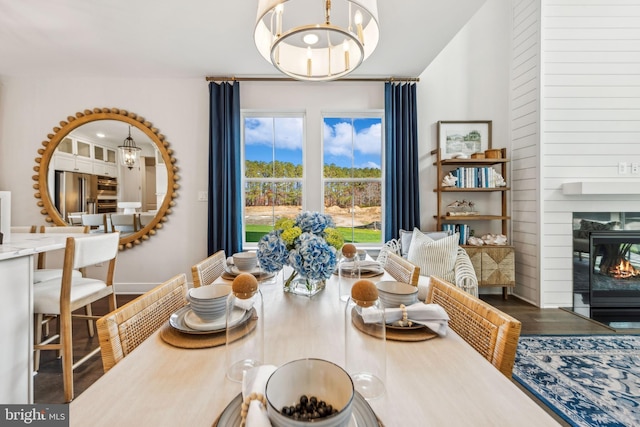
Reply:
x=23, y=244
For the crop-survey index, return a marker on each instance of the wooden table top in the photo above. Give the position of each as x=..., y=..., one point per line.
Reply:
x=438, y=382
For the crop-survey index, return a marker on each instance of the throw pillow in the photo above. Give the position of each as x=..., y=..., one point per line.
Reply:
x=435, y=257
x=407, y=236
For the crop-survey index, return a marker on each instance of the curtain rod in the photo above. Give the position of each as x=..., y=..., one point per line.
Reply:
x=289, y=79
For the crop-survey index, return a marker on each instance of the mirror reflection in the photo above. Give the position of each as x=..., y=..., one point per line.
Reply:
x=86, y=177
x=89, y=178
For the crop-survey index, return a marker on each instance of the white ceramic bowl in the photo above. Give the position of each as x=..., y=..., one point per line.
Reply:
x=392, y=294
x=209, y=302
x=245, y=261
x=311, y=377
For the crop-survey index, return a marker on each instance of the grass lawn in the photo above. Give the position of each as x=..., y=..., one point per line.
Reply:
x=361, y=235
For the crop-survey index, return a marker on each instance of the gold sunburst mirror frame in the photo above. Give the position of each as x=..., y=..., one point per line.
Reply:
x=66, y=127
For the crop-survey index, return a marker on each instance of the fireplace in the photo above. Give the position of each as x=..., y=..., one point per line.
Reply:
x=614, y=275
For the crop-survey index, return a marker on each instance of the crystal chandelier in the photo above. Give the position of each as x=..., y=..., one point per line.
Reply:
x=129, y=151
x=316, y=40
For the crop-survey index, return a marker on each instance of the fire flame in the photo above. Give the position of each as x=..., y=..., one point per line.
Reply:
x=624, y=270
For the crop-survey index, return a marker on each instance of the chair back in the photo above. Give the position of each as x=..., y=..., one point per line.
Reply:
x=95, y=220
x=69, y=229
x=401, y=269
x=124, y=222
x=491, y=332
x=122, y=330
x=93, y=249
x=209, y=269
x=23, y=228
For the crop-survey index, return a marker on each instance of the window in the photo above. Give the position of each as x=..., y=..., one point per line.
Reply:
x=273, y=170
x=279, y=169
x=353, y=176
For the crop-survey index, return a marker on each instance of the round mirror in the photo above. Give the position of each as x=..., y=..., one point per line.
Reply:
x=82, y=176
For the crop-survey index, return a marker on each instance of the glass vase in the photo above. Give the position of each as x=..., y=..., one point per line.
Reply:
x=301, y=285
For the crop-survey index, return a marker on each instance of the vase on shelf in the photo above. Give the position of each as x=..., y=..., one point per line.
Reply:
x=300, y=285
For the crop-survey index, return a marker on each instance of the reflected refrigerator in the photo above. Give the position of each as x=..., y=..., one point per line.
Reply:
x=74, y=193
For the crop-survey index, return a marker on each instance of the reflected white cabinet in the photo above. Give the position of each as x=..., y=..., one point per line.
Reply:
x=104, y=161
x=74, y=155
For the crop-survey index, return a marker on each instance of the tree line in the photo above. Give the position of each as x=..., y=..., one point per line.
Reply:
x=342, y=194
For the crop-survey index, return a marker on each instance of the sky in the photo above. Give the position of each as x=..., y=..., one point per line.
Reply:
x=344, y=140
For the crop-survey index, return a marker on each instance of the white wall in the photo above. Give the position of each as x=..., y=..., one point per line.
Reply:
x=590, y=121
x=30, y=108
x=525, y=146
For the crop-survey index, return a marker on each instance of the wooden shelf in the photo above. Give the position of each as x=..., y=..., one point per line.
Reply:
x=462, y=218
x=470, y=189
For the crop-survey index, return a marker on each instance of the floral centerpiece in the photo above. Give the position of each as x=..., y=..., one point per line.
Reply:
x=309, y=244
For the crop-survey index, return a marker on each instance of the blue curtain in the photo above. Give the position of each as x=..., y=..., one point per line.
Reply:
x=402, y=195
x=224, y=221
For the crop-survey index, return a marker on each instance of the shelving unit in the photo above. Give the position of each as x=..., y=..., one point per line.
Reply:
x=494, y=265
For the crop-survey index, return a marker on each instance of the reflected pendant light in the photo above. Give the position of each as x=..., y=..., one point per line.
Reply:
x=129, y=152
x=316, y=40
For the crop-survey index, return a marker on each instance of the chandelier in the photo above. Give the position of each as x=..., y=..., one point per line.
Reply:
x=316, y=40
x=129, y=151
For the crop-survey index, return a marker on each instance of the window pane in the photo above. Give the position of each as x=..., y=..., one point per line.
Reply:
x=356, y=209
x=258, y=147
x=288, y=147
x=352, y=172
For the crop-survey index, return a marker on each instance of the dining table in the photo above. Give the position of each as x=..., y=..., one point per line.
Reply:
x=439, y=381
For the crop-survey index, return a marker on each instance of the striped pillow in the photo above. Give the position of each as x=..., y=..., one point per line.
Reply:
x=434, y=257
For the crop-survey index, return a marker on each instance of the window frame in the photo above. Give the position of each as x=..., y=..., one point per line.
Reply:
x=359, y=114
x=252, y=113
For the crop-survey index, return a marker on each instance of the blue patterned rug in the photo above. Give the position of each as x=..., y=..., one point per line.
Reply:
x=588, y=380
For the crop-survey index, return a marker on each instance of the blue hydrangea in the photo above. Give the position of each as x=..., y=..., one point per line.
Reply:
x=272, y=252
x=313, y=257
x=313, y=222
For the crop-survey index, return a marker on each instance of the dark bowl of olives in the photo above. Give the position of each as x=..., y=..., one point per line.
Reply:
x=309, y=392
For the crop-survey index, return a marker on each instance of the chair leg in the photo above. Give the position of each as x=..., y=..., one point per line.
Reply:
x=88, y=311
x=67, y=355
x=38, y=339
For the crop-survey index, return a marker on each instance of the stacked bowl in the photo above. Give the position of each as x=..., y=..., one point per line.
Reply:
x=209, y=302
x=392, y=294
x=245, y=261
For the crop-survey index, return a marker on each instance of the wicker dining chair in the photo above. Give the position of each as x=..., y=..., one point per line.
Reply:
x=491, y=332
x=209, y=269
x=401, y=269
x=122, y=330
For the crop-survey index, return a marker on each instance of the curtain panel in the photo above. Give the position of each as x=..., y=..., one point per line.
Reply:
x=224, y=206
x=402, y=193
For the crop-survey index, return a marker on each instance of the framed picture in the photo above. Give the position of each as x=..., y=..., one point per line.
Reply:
x=460, y=138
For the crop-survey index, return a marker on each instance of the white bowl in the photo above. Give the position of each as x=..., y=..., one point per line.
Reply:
x=392, y=294
x=311, y=377
x=245, y=261
x=209, y=302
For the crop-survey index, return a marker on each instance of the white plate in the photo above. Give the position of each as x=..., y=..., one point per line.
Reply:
x=192, y=320
x=177, y=321
x=361, y=416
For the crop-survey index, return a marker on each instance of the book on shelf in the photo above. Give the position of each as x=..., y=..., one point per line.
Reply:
x=463, y=231
x=475, y=177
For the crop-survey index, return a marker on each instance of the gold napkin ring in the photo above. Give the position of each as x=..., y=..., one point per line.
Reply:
x=244, y=408
x=405, y=317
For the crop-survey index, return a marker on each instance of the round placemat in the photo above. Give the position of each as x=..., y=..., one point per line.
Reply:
x=172, y=336
x=394, y=334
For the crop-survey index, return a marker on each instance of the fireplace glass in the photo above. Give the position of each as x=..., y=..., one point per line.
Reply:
x=614, y=274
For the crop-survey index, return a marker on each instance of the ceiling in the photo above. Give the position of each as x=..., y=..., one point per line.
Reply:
x=196, y=38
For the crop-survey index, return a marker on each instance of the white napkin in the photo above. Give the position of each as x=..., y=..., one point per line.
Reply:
x=255, y=381
x=432, y=316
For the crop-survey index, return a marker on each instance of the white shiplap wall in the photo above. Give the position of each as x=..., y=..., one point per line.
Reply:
x=590, y=121
x=525, y=158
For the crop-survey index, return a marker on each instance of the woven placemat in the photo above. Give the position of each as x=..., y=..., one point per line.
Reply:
x=395, y=334
x=172, y=336
x=262, y=275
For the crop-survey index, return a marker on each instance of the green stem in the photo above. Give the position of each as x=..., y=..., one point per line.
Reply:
x=287, y=284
